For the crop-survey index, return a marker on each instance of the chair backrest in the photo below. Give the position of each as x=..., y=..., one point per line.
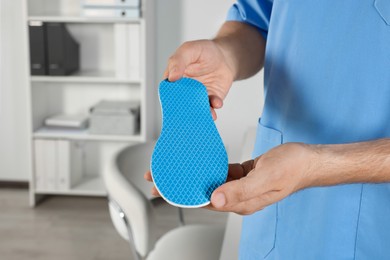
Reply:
x=126, y=186
x=133, y=162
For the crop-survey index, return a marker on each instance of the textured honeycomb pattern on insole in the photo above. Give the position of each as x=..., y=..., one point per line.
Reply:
x=189, y=160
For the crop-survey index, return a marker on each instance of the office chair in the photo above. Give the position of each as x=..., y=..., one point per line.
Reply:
x=133, y=215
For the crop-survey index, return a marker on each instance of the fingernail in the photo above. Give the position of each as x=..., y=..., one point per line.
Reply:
x=219, y=200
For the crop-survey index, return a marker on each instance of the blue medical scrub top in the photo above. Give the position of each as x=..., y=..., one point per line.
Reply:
x=327, y=81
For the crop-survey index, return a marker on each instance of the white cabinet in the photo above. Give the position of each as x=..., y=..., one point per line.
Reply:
x=116, y=63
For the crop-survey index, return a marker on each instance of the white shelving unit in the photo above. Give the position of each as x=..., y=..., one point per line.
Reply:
x=78, y=19
x=100, y=78
x=76, y=134
x=88, y=76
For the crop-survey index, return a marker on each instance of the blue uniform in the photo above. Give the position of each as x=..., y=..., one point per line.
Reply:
x=327, y=81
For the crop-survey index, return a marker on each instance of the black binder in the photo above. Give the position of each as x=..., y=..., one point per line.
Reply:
x=62, y=49
x=38, y=59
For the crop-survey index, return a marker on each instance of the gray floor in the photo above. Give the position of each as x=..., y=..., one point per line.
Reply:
x=64, y=228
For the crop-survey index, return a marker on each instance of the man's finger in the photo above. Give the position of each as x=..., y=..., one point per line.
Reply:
x=148, y=176
x=215, y=101
x=213, y=113
x=155, y=192
x=238, y=171
x=250, y=206
x=196, y=70
x=235, y=172
x=258, y=203
x=234, y=192
x=183, y=57
x=166, y=73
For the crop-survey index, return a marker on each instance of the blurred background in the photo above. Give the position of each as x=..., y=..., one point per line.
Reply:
x=78, y=102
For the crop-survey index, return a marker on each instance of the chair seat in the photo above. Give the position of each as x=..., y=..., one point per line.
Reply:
x=190, y=243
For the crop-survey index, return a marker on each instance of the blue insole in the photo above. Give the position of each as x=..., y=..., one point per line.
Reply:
x=189, y=160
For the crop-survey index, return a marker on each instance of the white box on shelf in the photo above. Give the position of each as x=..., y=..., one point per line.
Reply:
x=127, y=51
x=50, y=157
x=45, y=164
x=58, y=164
x=132, y=3
x=69, y=164
x=39, y=164
x=115, y=118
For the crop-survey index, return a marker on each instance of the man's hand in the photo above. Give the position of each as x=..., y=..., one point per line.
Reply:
x=236, y=171
x=237, y=52
x=274, y=175
x=255, y=184
x=294, y=166
x=204, y=61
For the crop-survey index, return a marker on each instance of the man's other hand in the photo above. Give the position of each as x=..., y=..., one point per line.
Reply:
x=204, y=61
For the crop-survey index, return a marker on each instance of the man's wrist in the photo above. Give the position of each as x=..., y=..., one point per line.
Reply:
x=312, y=166
x=243, y=47
x=317, y=173
x=222, y=44
x=329, y=166
x=349, y=163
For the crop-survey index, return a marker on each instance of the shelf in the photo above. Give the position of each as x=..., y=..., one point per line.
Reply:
x=87, y=76
x=77, y=134
x=80, y=19
x=90, y=186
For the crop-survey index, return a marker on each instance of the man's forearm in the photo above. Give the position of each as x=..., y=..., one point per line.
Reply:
x=243, y=47
x=351, y=163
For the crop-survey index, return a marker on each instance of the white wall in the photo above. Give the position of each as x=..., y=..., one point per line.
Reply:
x=14, y=101
x=200, y=20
